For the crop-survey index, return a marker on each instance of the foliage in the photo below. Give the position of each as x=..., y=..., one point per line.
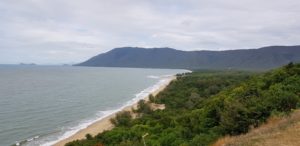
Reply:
x=122, y=119
x=205, y=105
x=143, y=107
x=151, y=98
x=88, y=136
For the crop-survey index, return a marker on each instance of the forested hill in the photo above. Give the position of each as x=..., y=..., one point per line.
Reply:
x=204, y=106
x=249, y=59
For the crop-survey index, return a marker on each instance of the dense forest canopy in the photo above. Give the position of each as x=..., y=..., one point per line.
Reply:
x=204, y=105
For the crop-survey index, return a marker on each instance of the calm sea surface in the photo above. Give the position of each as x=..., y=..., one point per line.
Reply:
x=40, y=105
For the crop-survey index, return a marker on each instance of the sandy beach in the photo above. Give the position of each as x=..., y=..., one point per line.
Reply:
x=105, y=124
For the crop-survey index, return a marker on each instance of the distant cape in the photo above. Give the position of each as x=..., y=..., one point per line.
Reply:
x=246, y=59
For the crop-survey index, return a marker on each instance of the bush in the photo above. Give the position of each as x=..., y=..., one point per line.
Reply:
x=280, y=99
x=122, y=119
x=88, y=136
x=151, y=98
x=143, y=107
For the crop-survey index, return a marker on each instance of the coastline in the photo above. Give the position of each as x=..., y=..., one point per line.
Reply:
x=105, y=124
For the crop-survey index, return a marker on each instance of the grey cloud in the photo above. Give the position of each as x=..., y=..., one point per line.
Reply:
x=62, y=31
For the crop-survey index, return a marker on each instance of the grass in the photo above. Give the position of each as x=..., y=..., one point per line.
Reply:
x=279, y=131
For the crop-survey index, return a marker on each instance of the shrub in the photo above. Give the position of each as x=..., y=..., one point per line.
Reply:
x=122, y=119
x=143, y=107
x=88, y=136
x=151, y=98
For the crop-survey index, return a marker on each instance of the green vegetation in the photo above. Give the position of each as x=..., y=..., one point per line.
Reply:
x=203, y=106
x=143, y=107
x=122, y=119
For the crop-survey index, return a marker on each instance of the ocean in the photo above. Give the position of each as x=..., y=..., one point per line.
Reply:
x=40, y=105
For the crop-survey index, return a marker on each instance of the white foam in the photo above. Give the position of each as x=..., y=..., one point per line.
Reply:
x=73, y=130
x=153, y=77
x=164, y=80
x=160, y=77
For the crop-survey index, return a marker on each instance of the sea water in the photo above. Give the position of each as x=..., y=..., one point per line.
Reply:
x=40, y=105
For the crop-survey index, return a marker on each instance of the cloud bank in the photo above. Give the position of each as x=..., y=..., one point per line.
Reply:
x=70, y=31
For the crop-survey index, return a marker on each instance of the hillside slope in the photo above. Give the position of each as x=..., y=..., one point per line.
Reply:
x=279, y=131
x=201, y=107
x=252, y=59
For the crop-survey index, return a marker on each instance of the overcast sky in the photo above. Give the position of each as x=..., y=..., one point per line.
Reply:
x=70, y=31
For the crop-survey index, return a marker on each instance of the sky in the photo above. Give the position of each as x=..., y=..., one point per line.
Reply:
x=71, y=31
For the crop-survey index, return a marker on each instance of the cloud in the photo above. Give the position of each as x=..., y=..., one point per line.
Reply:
x=63, y=31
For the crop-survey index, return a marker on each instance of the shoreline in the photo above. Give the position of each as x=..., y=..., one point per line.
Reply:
x=105, y=124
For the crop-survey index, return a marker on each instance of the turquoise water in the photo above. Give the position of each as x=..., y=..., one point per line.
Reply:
x=40, y=105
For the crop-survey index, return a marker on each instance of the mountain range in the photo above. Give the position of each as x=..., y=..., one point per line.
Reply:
x=245, y=59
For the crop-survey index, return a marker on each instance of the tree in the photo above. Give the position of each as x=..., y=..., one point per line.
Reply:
x=143, y=107
x=151, y=98
x=88, y=136
x=122, y=119
x=281, y=100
